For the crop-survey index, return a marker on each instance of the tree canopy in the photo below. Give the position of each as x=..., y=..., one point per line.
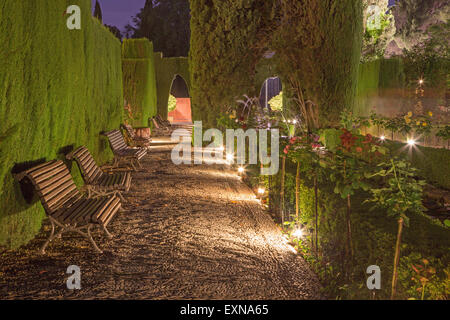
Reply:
x=98, y=11
x=166, y=24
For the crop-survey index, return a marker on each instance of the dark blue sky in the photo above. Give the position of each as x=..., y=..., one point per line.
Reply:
x=119, y=12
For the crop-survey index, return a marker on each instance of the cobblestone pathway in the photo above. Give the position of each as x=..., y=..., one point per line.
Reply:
x=188, y=232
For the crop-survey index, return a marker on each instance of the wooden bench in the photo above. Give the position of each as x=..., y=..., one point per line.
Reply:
x=143, y=142
x=160, y=129
x=122, y=152
x=65, y=206
x=97, y=182
x=163, y=122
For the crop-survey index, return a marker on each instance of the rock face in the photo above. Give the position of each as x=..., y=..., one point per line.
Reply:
x=412, y=20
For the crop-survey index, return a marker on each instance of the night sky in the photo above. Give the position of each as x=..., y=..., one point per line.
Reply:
x=119, y=12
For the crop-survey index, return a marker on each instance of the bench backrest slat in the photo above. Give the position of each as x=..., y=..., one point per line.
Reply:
x=88, y=167
x=129, y=130
x=116, y=140
x=53, y=184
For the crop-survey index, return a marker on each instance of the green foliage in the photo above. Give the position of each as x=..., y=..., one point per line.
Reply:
x=373, y=77
x=58, y=88
x=98, y=12
x=276, y=103
x=316, y=54
x=401, y=193
x=318, y=48
x=432, y=163
x=379, y=30
x=224, y=52
x=115, y=31
x=430, y=60
x=166, y=24
x=139, y=79
x=373, y=238
x=444, y=133
x=172, y=103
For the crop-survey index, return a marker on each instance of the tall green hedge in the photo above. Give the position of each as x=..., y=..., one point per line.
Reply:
x=317, y=47
x=139, y=79
x=58, y=88
x=166, y=70
x=375, y=78
x=222, y=54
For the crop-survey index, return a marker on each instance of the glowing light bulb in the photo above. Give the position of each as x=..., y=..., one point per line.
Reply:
x=261, y=190
x=221, y=148
x=294, y=121
x=421, y=81
x=230, y=157
x=411, y=142
x=382, y=138
x=298, y=233
x=241, y=170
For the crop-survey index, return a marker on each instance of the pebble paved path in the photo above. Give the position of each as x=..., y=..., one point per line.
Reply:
x=188, y=232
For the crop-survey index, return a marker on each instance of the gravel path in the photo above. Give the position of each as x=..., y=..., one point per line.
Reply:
x=188, y=232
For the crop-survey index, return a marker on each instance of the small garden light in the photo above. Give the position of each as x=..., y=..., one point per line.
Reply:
x=230, y=157
x=382, y=138
x=221, y=148
x=261, y=190
x=411, y=142
x=241, y=170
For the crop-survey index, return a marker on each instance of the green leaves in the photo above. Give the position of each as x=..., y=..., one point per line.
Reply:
x=402, y=192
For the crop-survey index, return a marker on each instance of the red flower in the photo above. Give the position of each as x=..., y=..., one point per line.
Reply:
x=368, y=139
x=359, y=149
x=347, y=139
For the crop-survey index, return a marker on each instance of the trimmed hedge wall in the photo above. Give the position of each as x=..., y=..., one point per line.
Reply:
x=166, y=70
x=139, y=79
x=59, y=89
x=318, y=50
x=380, y=82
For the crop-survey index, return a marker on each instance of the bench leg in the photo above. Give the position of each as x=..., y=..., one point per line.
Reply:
x=108, y=234
x=133, y=165
x=50, y=238
x=139, y=164
x=119, y=194
x=92, y=240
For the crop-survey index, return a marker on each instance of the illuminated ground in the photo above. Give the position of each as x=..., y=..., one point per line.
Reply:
x=189, y=232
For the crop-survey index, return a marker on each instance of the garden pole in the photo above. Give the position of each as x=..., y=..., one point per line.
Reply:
x=297, y=191
x=396, y=258
x=349, y=228
x=316, y=214
x=283, y=167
